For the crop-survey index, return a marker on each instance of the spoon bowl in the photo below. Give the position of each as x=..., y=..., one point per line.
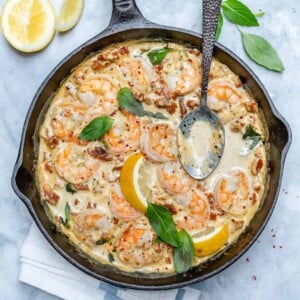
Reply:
x=203, y=126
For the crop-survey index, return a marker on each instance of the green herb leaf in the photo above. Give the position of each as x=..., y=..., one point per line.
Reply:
x=111, y=257
x=163, y=224
x=128, y=102
x=260, y=51
x=219, y=26
x=70, y=189
x=157, y=115
x=238, y=13
x=102, y=241
x=183, y=256
x=250, y=133
x=67, y=215
x=96, y=128
x=156, y=56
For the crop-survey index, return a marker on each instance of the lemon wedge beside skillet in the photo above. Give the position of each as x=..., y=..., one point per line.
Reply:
x=69, y=15
x=28, y=25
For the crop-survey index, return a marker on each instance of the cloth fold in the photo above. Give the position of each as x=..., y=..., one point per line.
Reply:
x=44, y=268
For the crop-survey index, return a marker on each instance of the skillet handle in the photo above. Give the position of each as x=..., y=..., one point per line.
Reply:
x=21, y=181
x=126, y=12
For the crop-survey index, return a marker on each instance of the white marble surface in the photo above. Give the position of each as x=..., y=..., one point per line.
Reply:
x=277, y=269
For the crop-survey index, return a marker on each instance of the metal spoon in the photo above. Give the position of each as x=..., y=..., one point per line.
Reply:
x=200, y=160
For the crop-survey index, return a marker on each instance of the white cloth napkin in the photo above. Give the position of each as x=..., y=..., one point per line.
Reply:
x=44, y=268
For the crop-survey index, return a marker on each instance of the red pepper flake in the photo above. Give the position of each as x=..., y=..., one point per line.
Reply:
x=253, y=277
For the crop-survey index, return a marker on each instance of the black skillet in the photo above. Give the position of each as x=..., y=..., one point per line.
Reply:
x=128, y=23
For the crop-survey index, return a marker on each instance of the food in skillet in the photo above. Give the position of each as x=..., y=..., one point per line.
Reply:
x=108, y=169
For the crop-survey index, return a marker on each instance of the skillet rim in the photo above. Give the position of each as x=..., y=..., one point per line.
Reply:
x=110, y=32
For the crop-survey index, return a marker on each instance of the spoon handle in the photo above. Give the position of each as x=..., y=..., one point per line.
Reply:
x=211, y=11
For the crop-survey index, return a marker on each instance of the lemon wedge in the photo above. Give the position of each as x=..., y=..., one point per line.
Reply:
x=212, y=242
x=28, y=25
x=69, y=15
x=135, y=181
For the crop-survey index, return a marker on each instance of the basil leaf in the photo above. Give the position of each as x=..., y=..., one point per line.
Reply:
x=70, y=189
x=260, y=51
x=250, y=133
x=157, y=115
x=183, y=256
x=162, y=223
x=67, y=215
x=156, y=56
x=219, y=26
x=111, y=257
x=96, y=128
x=238, y=13
x=102, y=241
x=127, y=101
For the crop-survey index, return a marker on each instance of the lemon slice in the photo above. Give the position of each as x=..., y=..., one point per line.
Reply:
x=28, y=25
x=69, y=15
x=135, y=181
x=212, y=242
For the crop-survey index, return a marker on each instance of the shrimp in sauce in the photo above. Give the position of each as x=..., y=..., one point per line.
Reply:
x=197, y=211
x=181, y=72
x=233, y=192
x=158, y=142
x=120, y=207
x=74, y=164
x=66, y=121
x=173, y=178
x=124, y=136
x=135, y=245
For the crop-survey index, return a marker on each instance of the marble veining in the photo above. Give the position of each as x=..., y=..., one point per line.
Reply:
x=270, y=269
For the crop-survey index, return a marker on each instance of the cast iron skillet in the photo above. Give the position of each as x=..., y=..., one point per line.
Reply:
x=128, y=23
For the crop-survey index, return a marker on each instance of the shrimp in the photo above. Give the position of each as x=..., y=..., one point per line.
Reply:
x=135, y=245
x=196, y=213
x=173, y=178
x=181, y=72
x=220, y=92
x=124, y=136
x=137, y=75
x=92, y=224
x=120, y=207
x=74, y=164
x=158, y=142
x=100, y=95
x=233, y=192
x=66, y=121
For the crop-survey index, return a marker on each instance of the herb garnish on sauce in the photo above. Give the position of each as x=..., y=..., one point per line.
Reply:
x=96, y=128
x=251, y=134
x=128, y=102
